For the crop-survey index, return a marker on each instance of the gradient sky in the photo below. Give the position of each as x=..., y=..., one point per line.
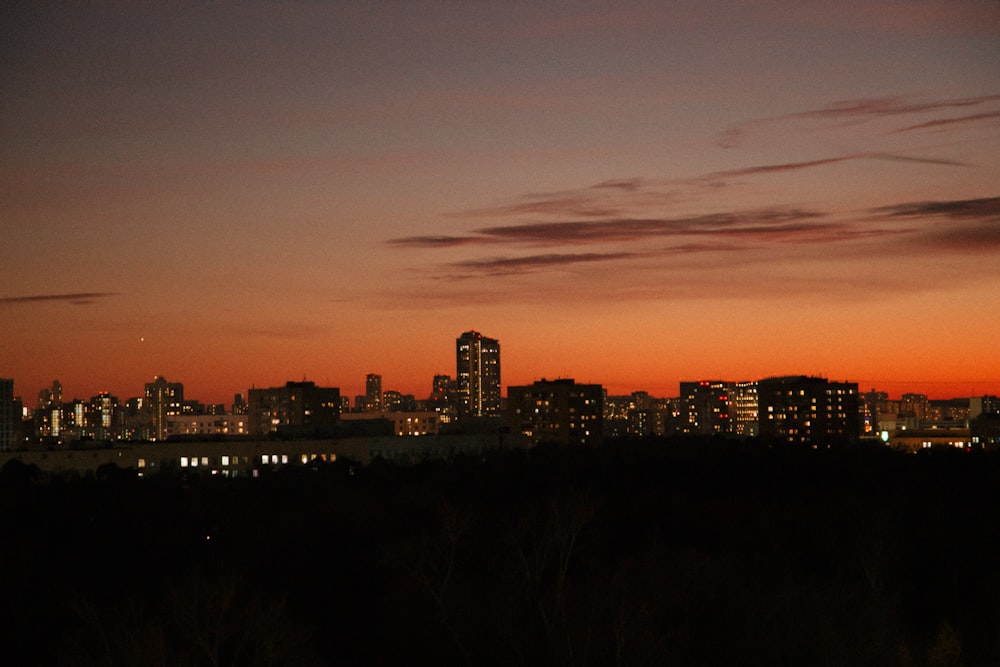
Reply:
x=232, y=194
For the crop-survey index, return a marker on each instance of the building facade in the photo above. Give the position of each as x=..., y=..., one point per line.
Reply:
x=163, y=399
x=373, y=393
x=477, y=384
x=707, y=407
x=809, y=411
x=10, y=421
x=557, y=411
x=297, y=409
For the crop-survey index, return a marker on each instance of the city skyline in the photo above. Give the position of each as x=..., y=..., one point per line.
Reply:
x=243, y=194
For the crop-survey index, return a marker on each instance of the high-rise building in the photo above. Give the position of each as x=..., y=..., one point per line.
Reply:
x=809, y=410
x=101, y=416
x=477, y=384
x=442, y=398
x=983, y=405
x=297, y=409
x=373, y=393
x=50, y=397
x=557, y=411
x=10, y=420
x=707, y=407
x=744, y=409
x=163, y=399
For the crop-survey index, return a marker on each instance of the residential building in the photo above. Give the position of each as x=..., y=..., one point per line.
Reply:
x=744, y=404
x=809, y=410
x=707, y=408
x=558, y=411
x=10, y=419
x=298, y=409
x=373, y=393
x=163, y=399
x=477, y=383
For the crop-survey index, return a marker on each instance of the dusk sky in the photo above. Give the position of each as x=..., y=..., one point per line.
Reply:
x=237, y=194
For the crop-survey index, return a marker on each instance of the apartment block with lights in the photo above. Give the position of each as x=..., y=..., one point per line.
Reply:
x=810, y=411
x=298, y=409
x=557, y=411
x=477, y=383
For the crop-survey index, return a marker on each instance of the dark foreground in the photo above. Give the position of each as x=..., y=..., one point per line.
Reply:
x=696, y=553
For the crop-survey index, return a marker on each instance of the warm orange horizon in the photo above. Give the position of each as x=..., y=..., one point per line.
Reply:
x=636, y=194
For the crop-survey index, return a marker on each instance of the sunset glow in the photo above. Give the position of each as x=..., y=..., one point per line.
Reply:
x=633, y=194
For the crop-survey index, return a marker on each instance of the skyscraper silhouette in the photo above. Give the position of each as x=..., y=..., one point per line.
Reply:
x=477, y=375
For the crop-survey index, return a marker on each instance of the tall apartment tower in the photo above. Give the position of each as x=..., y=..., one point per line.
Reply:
x=477, y=384
x=373, y=393
x=10, y=421
x=708, y=407
x=163, y=399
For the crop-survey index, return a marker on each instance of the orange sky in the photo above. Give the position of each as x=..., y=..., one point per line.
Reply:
x=633, y=194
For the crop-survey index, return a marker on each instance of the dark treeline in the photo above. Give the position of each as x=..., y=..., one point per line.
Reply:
x=652, y=553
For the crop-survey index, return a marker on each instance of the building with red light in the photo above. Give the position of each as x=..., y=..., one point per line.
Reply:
x=707, y=407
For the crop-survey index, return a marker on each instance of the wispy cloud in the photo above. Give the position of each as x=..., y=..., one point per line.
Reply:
x=970, y=226
x=987, y=208
x=866, y=109
x=432, y=241
x=889, y=106
x=775, y=223
x=941, y=122
x=577, y=206
x=76, y=298
x=502, y=265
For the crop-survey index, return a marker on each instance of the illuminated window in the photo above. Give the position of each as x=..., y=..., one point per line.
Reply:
x=142, y=463
x=225, y=460
x=284, y=458
x=184, y=462
x=204, y=460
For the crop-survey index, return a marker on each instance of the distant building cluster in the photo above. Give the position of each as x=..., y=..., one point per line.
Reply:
x=795, y=410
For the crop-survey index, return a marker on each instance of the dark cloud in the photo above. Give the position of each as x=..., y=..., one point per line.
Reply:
x=760, y=222
x=773, y=168
x=990, y=115
x=626, y=184
x=777, y=224
x=575, y=206
x=435, y=241
x=501, y=265
x=860, y=110
x=980, y=238
x=889, y=106
x=985, y=209
x=76, y=299
x=810, y=164
x=890, y=157
x=969, y=226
